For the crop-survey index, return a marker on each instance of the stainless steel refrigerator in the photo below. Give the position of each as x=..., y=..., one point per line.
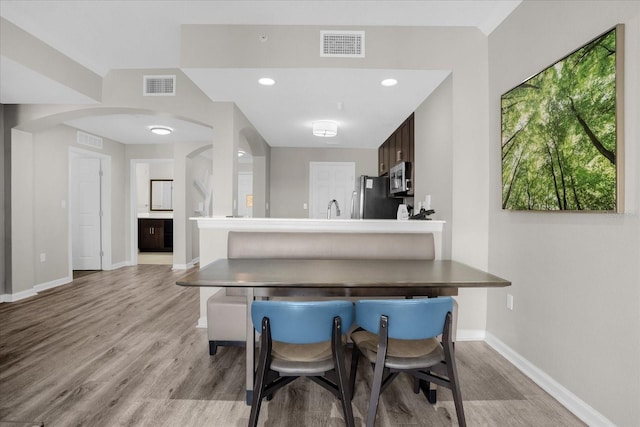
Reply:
x=370, y=199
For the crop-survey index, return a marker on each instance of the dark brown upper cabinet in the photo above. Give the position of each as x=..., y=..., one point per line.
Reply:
x=399, y=147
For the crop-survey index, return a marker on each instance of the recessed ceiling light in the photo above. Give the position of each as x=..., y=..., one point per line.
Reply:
x=389, y=82
x=160, y=130
x=266, y=81
x=325, y=128
x=241, y=153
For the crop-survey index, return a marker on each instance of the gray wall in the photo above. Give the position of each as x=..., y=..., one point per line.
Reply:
x=290, y=174
x=576, y=277
x=434, y=157
x=51, y=197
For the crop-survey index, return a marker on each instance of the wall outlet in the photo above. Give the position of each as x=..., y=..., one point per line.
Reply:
x=43, y=257
x=510, y=301
x=304, y=206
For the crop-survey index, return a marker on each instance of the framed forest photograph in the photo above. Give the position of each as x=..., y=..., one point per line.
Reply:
x=562, y=140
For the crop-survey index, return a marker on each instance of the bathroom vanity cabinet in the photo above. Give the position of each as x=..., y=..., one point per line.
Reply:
x=155, y=234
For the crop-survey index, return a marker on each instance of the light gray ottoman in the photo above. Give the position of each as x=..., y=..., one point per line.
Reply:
x=226, y=320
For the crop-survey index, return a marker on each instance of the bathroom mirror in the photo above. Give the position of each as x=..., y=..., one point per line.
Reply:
x=161, y=195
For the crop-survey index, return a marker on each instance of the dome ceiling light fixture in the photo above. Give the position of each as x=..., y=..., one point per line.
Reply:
x=389, y=82
x=325, y=128
x=161, y=130
x=266, y=81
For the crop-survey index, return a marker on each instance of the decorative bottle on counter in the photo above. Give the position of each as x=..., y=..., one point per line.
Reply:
x=403, y=213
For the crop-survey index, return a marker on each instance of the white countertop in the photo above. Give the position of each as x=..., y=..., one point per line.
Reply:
x=168, y=215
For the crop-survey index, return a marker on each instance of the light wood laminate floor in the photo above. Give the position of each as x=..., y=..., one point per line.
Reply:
x=120, y=348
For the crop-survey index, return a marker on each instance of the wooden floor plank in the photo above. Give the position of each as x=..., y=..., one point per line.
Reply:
x=120, y=348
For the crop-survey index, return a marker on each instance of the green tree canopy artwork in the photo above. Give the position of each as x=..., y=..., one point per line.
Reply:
x=559, y=134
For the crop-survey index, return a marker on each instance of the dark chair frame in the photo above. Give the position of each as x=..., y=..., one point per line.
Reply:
x=267, y=381
x=444, y=373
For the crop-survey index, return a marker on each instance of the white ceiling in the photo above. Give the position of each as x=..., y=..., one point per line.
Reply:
x=105, y=35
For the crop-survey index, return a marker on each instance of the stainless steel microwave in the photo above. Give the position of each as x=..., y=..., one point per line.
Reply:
x=400, y=178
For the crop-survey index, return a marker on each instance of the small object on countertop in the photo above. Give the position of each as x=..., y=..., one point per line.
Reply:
x=403, y=213
x=427, y=202
x=423, y=214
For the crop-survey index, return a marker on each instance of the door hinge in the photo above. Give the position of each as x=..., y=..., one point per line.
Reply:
x=101, y=173
x=101, y=253
x=100, y=214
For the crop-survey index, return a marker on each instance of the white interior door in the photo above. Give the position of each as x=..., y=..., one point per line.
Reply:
x=328, y=181
x=86, y=213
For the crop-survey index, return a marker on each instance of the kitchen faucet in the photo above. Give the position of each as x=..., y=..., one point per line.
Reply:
x=329, y=208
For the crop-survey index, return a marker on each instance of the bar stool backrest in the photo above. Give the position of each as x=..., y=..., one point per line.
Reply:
x=409, y=319
x=301, y=322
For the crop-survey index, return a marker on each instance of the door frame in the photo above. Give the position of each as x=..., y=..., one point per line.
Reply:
x=105, y=205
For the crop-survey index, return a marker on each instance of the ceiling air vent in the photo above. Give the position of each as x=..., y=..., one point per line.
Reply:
x=342, y=44
x=159, y=85
x=89, y=140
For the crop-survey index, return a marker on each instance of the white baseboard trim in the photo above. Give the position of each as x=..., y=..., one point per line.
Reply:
x=19, y=295
x=470, y=335
x=202, y=323
x=569, y=400
x=120, y=265
x=185, y=266
x=52, y=284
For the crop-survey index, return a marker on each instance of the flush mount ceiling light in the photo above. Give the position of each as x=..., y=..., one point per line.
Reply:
x=266, y=81
x=389, y=82
x=160, y=130
x=325, y=128
x=241, y=153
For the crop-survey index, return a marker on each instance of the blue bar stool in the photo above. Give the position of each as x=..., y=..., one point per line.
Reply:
x=301, y=339
x=400, y=336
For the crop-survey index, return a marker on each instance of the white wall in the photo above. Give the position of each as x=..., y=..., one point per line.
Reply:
x=245, y=135
x=576, y=277
x=198, y=166
x=290, y=174
x=183, y=199
x=146, y=172
x=142, y=187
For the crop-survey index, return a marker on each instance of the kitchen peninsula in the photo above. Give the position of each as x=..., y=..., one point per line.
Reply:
x=213, y=232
